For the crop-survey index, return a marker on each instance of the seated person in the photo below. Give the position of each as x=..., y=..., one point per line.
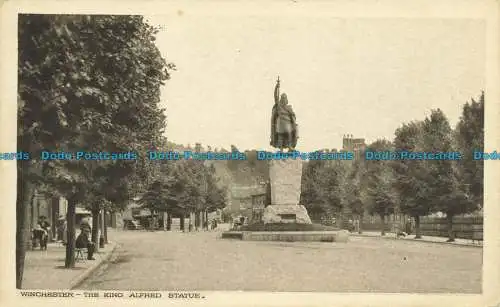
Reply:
x=85, y=225
x=83, y=241
x=39, y=235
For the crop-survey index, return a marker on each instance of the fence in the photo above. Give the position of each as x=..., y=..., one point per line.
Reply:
x=464, y=227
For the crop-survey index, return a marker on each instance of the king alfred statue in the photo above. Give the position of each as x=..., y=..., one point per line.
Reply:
x=284, y=130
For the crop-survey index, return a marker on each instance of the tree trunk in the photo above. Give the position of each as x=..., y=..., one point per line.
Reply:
x=106, y=213
x=206, y=219
x=102, y=224
x=340, y=221
x=360, y=230
x=418, y=235
x=382, y=220
x=196, y=219
x=70, y=246
x=23, y=203
x=191, y=221
x=182, y=222
x=449, y=222
x=169, y=220
x=95, y=226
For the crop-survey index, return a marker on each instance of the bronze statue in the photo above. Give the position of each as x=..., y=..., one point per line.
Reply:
x=284, y=130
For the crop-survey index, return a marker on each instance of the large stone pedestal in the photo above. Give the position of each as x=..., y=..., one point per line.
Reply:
x=285, y=178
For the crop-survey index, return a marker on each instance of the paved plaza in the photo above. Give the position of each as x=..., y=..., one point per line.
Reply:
x=202, y=261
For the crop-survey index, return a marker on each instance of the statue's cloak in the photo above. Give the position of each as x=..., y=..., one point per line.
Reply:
x=283, y=112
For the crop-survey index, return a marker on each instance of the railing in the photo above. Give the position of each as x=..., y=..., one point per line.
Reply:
x=463, y=227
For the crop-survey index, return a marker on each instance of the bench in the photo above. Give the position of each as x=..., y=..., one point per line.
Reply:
x=80, y=254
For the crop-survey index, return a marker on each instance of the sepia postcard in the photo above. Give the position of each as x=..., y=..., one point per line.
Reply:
x=250, y=153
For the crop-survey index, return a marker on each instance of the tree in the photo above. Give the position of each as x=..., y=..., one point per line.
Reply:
x=465, y=178
x=311, y=187
x=216, y=196
x=379, y=180
x=445, y=190
x=469, y=136
x=412, y=177
x=332, y=188
x=102, y=77
x=354, y=189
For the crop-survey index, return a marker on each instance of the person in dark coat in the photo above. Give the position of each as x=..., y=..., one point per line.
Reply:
x=42, y=221
x=85, y=225
x=39, y=235
x=83, y=241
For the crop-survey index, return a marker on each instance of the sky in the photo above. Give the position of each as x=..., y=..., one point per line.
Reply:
x=363, y=77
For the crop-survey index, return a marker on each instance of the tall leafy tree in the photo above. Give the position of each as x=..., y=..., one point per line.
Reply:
x=333, y=188
x=412, y=176
x=84, y=78
x=445, y=191
x=354, y=190
x=465, y=177
x=382, y=198
x=469, y=136
x=312, y=186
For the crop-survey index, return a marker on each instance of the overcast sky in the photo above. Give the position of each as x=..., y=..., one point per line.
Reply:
x=359, y=76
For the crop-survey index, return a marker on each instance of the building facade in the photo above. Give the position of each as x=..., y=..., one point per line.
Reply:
x=247, y=201
x=356, y=145
x=54, y=209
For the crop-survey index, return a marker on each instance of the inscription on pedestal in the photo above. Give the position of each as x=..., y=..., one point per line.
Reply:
x=288, y=217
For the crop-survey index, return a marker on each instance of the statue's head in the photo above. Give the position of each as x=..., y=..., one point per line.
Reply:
x=284, y=99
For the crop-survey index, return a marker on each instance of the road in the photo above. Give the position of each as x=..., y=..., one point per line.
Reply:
x=202, y=261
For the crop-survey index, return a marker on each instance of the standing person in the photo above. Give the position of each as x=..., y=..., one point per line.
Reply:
x=65, y=232
x=42, y=221
x=356, y=225
x=60, y=228
x=408, y=226
x=39, y=235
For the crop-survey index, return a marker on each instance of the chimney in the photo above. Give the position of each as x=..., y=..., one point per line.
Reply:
x=197, y=147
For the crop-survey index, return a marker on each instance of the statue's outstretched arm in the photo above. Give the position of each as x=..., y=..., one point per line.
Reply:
x=277, y=92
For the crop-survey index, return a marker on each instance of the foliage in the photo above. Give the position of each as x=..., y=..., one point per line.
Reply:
x=88, y=83
x=412, y=177
x=469, y=136
x=444, y=178
x=354, y=188
x=323, y=186
x=381, y=197
x=188, y=186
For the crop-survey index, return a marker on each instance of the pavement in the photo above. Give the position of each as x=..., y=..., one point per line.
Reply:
x=202, y=261
x=429, y=239
x=45, y=269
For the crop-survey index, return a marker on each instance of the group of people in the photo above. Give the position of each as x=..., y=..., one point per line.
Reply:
x=41, y=233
